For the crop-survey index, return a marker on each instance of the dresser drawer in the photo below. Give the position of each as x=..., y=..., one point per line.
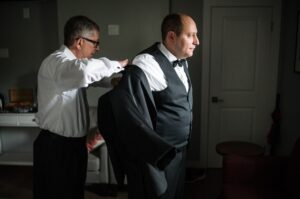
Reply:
x=8, y=120
x=17, y=119
x=26, y=120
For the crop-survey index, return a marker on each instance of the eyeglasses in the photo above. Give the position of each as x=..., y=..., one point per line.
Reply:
x=95, y=43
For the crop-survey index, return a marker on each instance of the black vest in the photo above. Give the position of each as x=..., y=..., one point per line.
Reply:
x=173, y=104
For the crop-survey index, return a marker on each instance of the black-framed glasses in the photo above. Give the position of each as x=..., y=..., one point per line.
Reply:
x=95, y=43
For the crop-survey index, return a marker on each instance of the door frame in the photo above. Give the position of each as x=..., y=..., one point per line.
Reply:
x=205, y=72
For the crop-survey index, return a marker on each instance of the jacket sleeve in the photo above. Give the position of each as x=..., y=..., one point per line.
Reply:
x=126, y=119
x=107, y=127
x=133, y=113
x=138, y=138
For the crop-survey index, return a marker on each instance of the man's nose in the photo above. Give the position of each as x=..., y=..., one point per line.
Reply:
x=196, y=41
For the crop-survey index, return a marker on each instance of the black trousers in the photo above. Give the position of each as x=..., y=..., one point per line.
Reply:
x=59, y=166
x=175, y=174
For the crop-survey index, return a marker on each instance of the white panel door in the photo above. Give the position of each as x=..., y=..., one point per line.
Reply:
x=242, y=78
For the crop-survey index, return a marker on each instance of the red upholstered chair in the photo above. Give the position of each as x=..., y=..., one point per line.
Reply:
x=262, y=177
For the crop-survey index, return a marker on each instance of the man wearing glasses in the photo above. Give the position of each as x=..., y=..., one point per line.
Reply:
x=60, y=152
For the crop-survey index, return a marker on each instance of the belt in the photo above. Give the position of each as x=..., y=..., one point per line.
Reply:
x=55, y=135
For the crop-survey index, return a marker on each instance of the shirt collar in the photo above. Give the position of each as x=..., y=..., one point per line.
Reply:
x=68, y=52
x=166, y=52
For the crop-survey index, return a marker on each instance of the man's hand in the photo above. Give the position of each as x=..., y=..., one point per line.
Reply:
x=115, y=81
x=94, y=139
x=124, y=62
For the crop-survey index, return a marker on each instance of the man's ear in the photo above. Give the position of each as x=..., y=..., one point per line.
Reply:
x=171, y=35
x=78, y=43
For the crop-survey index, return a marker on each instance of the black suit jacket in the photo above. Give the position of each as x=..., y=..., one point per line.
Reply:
x=126, y=119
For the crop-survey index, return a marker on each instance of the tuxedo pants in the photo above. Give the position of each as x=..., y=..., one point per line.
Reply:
x=59, y=166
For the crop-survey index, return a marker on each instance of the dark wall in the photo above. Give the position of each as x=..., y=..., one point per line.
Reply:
x=289, y=80
x=28, y=41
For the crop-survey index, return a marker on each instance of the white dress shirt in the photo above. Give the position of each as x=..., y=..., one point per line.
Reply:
x=154, y=73
x=62, y=80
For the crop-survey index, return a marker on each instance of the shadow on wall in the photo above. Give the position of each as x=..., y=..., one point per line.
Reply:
x=29, y=80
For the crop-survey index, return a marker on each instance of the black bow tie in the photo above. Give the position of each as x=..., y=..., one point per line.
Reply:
x=178, y=62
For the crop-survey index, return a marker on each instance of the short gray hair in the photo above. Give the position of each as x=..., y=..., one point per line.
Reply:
x=77, y=27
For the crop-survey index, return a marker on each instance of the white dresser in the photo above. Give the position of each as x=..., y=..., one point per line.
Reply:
x=17, y=133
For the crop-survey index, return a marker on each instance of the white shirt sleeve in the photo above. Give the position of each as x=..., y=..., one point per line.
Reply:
x=152, y=70
x=106, y=81
x=76, y=73
x=62, y=105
